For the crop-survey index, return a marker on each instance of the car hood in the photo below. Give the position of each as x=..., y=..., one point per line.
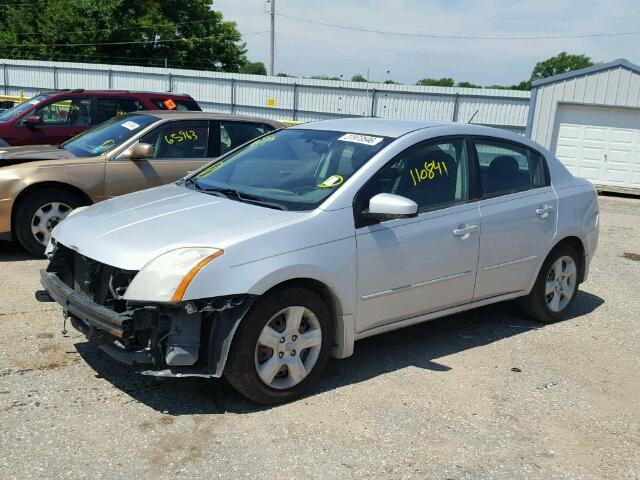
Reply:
x=129, y=231
x=32, y=153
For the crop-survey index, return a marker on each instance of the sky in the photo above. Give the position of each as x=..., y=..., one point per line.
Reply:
x=307, y=49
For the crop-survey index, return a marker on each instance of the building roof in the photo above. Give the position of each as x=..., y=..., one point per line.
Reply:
x=619, y=63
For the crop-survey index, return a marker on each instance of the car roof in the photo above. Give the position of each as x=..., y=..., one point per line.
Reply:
x=110, y=93
x=193, y=114
x=372, y=126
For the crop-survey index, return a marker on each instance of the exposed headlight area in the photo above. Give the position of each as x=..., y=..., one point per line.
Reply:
x=167, y=277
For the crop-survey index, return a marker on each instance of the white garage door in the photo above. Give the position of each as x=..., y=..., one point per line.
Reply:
x=600, y=144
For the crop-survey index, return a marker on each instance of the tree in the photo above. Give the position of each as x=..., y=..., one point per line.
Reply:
x=436, y=82
x=467, y=85
x=561, y=63
x=324, y=77
x=254, y=68
x=187, y=33
x=390, y=82
x=523, y=85
x=358, y=78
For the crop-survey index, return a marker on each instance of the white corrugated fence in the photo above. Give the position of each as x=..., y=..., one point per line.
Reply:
x=284, y=98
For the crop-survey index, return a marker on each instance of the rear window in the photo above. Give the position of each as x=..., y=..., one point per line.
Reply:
x=175, y=104
x=110, y=107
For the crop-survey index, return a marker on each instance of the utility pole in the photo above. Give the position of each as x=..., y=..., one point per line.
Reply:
x=272, y=49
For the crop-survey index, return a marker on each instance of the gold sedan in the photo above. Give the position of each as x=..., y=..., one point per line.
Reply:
x=40, y=185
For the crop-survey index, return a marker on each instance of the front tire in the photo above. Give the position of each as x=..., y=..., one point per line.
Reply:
x=38, y=213
x=556, y=287
x=281, y=347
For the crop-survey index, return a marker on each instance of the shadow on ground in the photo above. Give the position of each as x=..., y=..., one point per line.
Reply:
x=12, y=252
x=416, y=346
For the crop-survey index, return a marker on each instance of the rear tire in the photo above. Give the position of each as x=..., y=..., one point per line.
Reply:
x=39, y=212
x=556, y=287
x=267, y=369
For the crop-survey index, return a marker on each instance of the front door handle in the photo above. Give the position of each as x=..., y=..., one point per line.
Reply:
x=543, y=210
x=464, y=230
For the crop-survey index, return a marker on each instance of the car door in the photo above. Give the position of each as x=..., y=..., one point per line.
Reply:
x=179, y=147
x=518, y=213
x=407, y=267
x=62, y=118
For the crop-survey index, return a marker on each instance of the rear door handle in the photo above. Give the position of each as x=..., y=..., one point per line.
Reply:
x=543, y=210
x=464, y=230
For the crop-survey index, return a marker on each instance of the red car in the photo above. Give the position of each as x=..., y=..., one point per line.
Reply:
x=54, y=117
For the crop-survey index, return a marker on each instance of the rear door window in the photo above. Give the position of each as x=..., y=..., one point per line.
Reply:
x=507, y=167
x=66, y=111
x=186, y=139
x=174, y=104
x=234, y=134
x=107, y=108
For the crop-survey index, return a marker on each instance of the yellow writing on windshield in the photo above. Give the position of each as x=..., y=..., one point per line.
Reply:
x=428, y=172
x=181, y=136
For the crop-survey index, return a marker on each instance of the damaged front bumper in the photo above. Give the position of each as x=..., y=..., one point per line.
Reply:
x=187, y=339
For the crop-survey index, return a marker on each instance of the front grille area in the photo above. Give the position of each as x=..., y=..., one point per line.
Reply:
x=98, y=282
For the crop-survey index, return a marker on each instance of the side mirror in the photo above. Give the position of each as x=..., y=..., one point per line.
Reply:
x=141, y=151
x=33, y=121
x=387, y=206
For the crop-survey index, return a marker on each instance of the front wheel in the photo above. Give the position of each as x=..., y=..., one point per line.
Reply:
x=556, y=286
x=281, y=346
x=38, y=214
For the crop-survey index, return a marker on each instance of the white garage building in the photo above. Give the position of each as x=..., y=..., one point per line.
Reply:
x=590, y=118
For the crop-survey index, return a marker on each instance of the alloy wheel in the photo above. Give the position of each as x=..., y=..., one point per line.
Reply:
x=288, y=347
x=46, y=218
x=561, y=283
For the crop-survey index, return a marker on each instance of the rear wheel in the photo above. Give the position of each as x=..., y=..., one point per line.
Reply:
x=556, y=286
x=38, y=214
x=281, y=346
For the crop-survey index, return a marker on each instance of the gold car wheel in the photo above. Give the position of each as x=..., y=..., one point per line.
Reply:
x=46, y=218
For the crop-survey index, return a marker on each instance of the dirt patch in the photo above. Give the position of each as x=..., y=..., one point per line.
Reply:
x=180, y=448
x=631, y=256
x=50, y=347
x=152, y=424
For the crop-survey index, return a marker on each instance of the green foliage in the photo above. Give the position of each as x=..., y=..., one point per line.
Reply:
x=324, y=77
x=185, y=32
x=523, y=85
x=467, y=85
x=390, y=82
x=358, y=78
x=561, y=63
x=436, y=82
x=254, y=68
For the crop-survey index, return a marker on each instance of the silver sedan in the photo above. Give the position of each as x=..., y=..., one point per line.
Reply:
x=287, y=250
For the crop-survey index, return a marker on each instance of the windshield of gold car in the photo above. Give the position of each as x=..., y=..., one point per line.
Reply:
x=291, y=169
x=108, y=135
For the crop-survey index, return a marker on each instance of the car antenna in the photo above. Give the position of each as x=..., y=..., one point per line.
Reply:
x=473, y=116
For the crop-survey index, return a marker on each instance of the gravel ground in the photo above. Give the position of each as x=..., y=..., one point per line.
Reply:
x=439, y=400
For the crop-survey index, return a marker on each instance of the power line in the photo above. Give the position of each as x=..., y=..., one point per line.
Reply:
x=459, y=37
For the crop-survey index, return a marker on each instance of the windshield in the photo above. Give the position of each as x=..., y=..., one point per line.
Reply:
x=108, y=135
x=23, y=107
x=291, y=169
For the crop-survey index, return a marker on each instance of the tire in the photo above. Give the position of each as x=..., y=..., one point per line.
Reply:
x=34, y=202
x=248, y=353
x=541, y=303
